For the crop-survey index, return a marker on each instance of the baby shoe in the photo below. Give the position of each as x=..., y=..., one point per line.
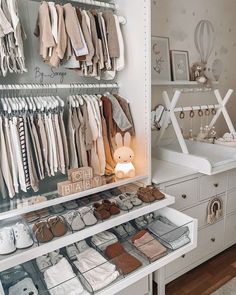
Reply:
x=145, y=195
x=23, y=287
x=7, y=244
x=72, y=251
x=43, y=262
x=120, y=231
x=74, y=220
x=156, y=193
x=129, y=228
x=55, y=256
x=100, y=211
x=134, y=199
x=57, y=209
x=88, y=216
x=57, y=226
x=149, y=218
x=31, y=216
x=141, y=222
x=124, y=203
x=71, y=205
x=82, y=246
x=22, y=236
x=111, y=207
x=42, y=231
x=42, y=213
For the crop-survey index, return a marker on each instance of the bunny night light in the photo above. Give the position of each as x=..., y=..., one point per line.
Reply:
x=124, y=156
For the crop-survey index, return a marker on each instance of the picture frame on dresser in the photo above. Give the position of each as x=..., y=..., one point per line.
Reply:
x=180, y=65
x=160, y=59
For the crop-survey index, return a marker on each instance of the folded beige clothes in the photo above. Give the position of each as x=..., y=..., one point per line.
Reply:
x=150, y=247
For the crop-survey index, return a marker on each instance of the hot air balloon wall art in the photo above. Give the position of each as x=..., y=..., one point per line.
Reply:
x=204, y=38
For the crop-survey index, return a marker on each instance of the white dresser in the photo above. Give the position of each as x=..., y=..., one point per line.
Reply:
x=193, y=191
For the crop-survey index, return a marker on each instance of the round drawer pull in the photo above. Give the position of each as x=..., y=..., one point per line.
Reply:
x=213, y=240
x=216, y=184
x=184, y=196
x=183, y=256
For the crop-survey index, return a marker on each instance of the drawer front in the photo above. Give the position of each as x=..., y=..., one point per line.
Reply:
x=230, y=229
x=140, y=288
x=184, y=192
x=232, y=178
x=231, y=202
x=200, y=212
x=209, y=240
x=212, y=185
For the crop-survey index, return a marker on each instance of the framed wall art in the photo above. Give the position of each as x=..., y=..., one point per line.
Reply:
x=180, y=65
x=161, y=68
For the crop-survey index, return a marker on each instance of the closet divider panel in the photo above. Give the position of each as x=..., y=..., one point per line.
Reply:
x=135, y=79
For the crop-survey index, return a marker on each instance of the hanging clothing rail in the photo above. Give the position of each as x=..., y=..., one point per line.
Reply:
x=96, y=3
x=58, y=86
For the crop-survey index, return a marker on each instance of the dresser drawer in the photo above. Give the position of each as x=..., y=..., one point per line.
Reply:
x=209, y=240
x=184, y=192
x=139, y=288
x=231, y=202
x=200, y=212
x=230, y=229
x=232, y=178
x=212, y=185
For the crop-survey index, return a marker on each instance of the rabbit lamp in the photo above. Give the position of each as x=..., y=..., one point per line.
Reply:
x=124, y=156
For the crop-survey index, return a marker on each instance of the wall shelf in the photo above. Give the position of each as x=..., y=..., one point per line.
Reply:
x=21, y=256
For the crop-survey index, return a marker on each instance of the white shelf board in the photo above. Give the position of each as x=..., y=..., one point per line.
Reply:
x=203, y=157
x=60, y=200
x=180, y=83
x=21, y=256
x=147, y=270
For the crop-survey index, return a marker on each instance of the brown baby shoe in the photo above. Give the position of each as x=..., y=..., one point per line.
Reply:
x=31, y=216
x=111, y=207
x=145, y=195
x=100, y=211
x=57, y=225
x=42, y=231
x=156, y=193
x=42, y=213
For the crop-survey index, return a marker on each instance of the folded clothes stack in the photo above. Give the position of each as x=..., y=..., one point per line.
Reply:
x=104, y=239
x=147, y=245
x=96, y=271
x=170, y=235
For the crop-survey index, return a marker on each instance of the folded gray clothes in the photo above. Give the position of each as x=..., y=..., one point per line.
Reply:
x=169, y=234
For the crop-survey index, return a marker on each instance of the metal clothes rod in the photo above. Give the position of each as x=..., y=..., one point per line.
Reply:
x=196, y=108
x=113, y=6
x=58, y=86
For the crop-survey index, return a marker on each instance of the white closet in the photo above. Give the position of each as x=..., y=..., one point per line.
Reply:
x=135, y=84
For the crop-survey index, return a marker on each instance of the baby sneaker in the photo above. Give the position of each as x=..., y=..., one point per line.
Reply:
x=7, y=244
x=74, y=220
x=43, y=262
x=22, y=236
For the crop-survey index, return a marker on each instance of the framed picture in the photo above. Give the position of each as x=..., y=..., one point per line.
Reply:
x=161, y=69
x=180, y=65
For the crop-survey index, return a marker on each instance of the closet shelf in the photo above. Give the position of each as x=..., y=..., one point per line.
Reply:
x=60, y=200
x=21, y=256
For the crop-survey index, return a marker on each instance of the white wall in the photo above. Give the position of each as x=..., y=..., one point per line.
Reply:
x=177, y=20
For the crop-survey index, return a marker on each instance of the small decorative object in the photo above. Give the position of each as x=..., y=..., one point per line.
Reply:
x=180, y=65
x=79, y=174
x=191, y=115
x=214, y=210
x=204, y=40
x=198, y=74
x=228, y=139
x=217, y=69
x=160, y=59
x=124, y=156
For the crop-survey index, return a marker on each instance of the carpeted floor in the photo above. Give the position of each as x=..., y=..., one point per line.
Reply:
x=228, y=289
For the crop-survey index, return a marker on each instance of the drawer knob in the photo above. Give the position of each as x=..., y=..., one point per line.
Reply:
x=184, y=196
x=216, y=184
x=213, y=240
x=183, y=256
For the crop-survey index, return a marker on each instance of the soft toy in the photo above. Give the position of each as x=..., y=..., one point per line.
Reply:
x=198, y=74
x=124, y=156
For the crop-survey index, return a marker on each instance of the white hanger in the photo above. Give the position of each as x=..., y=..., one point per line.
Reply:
x=30, y=106
x=5, y=108
x=62, y=104
x=79, y=99
x=25, y=104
